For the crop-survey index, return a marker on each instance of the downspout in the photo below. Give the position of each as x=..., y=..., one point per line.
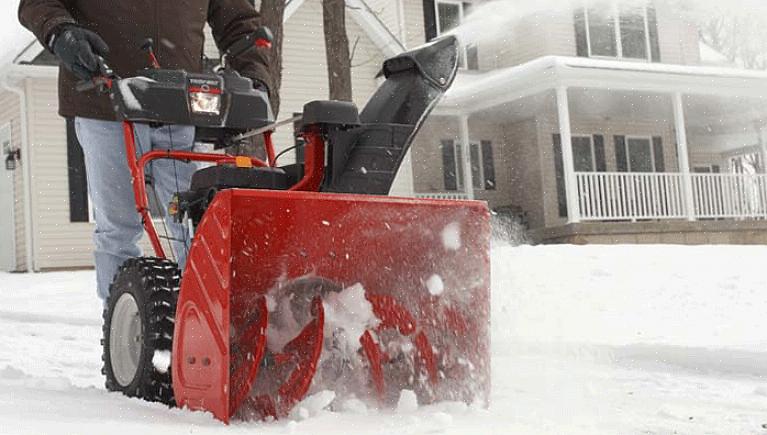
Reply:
x=26, y=162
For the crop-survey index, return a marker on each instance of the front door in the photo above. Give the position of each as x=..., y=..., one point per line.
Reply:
x=7, y=227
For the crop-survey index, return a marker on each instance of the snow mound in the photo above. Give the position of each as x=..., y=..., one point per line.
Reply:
x=312, y=405
x=407, y=403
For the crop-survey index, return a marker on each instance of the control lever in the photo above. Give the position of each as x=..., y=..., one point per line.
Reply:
x=148, y=46
x=101, y=81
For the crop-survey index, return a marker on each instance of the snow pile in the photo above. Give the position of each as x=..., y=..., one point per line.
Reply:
x=312, y=405
x=408, y=402
x=348, y=314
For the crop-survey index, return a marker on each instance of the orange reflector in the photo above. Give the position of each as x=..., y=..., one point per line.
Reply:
x=243, y=162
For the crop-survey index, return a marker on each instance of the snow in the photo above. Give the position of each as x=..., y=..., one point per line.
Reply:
x=161, y=360
x=586, y=340
x=407, y=403
x=435, y=285
x=348, y=314
x=451, y=236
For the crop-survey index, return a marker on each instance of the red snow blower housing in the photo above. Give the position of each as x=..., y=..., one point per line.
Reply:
x=299, y=278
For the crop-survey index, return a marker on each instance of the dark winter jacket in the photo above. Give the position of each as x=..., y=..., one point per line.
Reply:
x=175, y=25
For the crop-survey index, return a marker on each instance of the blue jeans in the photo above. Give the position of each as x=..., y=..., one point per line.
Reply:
x=118, y=224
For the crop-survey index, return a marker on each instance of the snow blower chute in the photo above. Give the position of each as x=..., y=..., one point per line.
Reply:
x=305, y=277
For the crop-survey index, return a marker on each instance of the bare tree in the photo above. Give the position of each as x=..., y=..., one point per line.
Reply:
x=740, y=38
x=337, y=49
x=272, y=16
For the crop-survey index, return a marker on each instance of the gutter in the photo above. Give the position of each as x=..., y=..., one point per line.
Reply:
x=26, y=163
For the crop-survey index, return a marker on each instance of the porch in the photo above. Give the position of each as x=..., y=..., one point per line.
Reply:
x=634, y=145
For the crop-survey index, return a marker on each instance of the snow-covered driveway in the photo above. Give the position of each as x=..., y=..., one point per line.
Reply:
x=614, y=340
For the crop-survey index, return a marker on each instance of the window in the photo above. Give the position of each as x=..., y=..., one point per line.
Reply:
x=639, y=154
x=79, y=206
x=606, y=29
x=583, y=154
x=442, y=16
x=482, y=165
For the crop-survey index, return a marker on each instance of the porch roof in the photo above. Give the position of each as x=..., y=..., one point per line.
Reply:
x=476, y=92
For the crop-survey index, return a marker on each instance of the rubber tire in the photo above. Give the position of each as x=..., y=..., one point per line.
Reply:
x=154, y=284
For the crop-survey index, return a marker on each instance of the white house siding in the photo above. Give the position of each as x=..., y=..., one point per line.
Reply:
x=58, y=242
x=415, y=34
x=678, y=38
x=10, y=113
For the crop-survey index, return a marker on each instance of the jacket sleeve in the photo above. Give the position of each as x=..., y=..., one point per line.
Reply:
x=42, y=17
x=232, y=20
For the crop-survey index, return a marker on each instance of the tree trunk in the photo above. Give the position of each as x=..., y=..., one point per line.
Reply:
x=337, y=49
x=272, y=16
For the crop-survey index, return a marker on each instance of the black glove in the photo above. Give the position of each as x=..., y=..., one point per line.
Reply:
x=79, y=50
x=260, y=86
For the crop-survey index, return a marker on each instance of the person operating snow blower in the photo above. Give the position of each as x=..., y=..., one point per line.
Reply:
x=80, y=33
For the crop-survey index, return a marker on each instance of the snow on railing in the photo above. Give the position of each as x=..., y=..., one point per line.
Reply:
x=629, y=196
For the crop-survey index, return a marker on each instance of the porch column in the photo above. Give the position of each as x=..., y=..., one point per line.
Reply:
x=763, y=146
x=684, y=157
x=568, y=163
x=468, y=185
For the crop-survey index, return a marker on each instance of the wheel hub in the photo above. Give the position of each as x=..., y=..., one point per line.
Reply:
x=126, y=339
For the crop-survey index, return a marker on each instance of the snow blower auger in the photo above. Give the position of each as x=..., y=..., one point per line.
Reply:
x=300, y=278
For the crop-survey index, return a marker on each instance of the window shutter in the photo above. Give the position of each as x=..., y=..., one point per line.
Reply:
x=78, y=184
x=488, y=164
x=652, y=24
x=620, y=154
x=448, y=165
x=657, y=147
x=429, y=19
x=559, y=169
x=599, y=153
x=581, y=41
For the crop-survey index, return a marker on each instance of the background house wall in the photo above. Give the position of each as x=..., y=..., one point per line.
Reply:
x=9, y=114
x=548, y=125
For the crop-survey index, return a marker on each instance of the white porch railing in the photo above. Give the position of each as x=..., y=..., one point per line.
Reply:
x=730, y=195
x=443, y=195
x=629, y=196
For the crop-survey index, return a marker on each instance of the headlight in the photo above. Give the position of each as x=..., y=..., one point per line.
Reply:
x=205, y=102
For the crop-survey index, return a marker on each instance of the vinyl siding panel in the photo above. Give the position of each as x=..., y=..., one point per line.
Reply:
x=415, y=34
x=58, y=242
x=10, y=114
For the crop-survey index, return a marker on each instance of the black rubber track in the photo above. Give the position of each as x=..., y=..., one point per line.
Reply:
x=154, y=284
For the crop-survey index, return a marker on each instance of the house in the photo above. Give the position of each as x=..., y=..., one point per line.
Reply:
x=600, y=125
x=45, y=219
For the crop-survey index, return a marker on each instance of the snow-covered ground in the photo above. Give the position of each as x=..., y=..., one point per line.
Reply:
x=614, y=340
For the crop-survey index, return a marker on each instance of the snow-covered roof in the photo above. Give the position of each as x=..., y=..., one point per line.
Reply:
x=473, y=92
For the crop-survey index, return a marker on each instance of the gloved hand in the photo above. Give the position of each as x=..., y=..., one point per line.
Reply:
x=79, y=50
x=259, y=85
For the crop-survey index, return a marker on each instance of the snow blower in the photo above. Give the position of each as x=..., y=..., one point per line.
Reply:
x=305, y=277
